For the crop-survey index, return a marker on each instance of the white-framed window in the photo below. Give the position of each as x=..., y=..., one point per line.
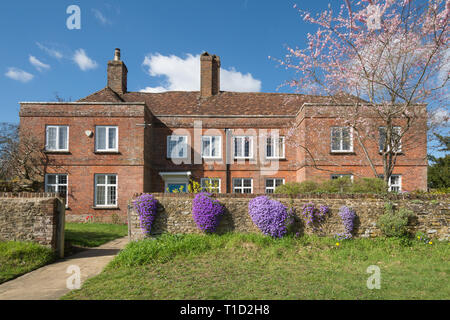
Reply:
x=242, y=185
x=210, y=185
x=176, y=146
x=106, y=138
x=272, y=183
x=337, y=176
x=395, y=183
x=211, y=146
x=396, y=141
x=105, y=190
x=341, y=139
x=275, y=148
x=57, y=183
x=57, y=138
x=243, y=147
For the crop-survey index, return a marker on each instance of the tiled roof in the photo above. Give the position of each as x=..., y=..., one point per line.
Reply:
x=225, y=103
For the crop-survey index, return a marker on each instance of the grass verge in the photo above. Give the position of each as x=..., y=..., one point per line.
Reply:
x=252, y=266
x=93, y=234
x=18, y=258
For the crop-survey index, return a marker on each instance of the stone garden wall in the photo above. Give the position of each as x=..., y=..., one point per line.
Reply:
x=175, y=213
x=37, y=217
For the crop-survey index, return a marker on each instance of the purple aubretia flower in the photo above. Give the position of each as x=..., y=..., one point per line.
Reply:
x=348, y=216
x=145, y=205
x=269, y=216
x=206, y=212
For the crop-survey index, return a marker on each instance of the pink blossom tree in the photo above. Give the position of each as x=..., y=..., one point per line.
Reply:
x=388, y=60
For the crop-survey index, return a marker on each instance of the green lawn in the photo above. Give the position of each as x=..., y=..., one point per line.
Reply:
x=93, y=234
x=17, y=258
x=237, y=266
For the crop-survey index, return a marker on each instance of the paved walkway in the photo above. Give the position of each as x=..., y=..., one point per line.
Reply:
x=49, y=282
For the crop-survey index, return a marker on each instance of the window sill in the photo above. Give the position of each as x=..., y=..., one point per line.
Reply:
x=343, y=152
x=276, y=159
x=105, y=208
x=400, y=153
x=57, y=152
x=106, y=152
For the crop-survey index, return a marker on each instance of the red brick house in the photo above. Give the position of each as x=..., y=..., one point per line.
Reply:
x=114, y=143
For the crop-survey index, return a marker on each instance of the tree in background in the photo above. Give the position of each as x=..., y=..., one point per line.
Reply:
x=439, y=170
x=391, y=57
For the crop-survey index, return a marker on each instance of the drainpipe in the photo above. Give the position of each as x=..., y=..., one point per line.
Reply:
x=227, y=159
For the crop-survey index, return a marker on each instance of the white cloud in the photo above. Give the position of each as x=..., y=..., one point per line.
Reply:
x=83, y=61
x=101, y=17
x=51, y=52
x=184, y=75
x=39, y=65
x=19, y=75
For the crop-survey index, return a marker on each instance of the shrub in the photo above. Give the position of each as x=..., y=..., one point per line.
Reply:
x=369, y=185
x=207, y=212
x=339, y=185
x=394, y=223
x=146, y=205
x=294, y=188
x=270, y=216
x=348, y=216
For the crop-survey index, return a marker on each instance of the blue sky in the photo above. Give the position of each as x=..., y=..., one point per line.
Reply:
x=38, y=50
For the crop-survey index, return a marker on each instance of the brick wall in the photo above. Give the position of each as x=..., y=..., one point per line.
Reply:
x=175, y=214
x=37, y=217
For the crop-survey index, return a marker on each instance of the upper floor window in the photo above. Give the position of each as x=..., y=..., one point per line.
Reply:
x=106, y=138
x=57, y=138
x=275, y=147
x=273, y=183
x=243, y=147
x=105, y=190
x=243, y=185
x=176, y=146
x=341, y=139
x=211, y=146
x=395, y=140
x=210, y=185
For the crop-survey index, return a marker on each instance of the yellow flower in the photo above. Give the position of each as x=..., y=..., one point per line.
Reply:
x=430, y=242
x=337, y=243
x=418, y=237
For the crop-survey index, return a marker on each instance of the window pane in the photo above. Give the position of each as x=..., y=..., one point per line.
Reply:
x=346, y=142
x=101, y=138
x=112, y=138
x=281, y=148
x=50, y=188
x=247, y=182
x=215, y=146
x=100, y=195
x=237, y=147
x=335, y=139
x=111, y=195
x=51, y=138
x=237, y=182
x=269, y=147
x=62, y=179
x=112, y=179
x=247, y=147
x=51, y=179
x=278, y=182
x=62, y=143
x=101, y=179
x=269, y=183
x=206, y=147
x=62, y=191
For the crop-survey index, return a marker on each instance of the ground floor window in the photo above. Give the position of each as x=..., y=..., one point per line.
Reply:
x=395, y=183
x=337, y=176
x=272, y=183
x=105, y=190
x=210, y=185
x=242, y=185
x=56, y=183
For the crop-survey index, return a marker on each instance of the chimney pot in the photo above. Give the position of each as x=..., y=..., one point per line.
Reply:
x=117, y=74
x=117, y=54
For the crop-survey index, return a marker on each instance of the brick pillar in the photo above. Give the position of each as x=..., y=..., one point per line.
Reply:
x=209, y=75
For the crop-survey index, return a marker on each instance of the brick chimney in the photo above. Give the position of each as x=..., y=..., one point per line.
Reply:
x=117, y=74
x=209, y=75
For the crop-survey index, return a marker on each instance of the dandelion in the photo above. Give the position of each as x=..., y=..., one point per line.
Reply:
x=337, y=244
x=430, y=242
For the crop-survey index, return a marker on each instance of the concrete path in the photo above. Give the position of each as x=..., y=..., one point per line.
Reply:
x=50, y=282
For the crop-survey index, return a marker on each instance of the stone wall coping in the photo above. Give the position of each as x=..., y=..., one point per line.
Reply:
x=28, y=195
x=403, y=196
